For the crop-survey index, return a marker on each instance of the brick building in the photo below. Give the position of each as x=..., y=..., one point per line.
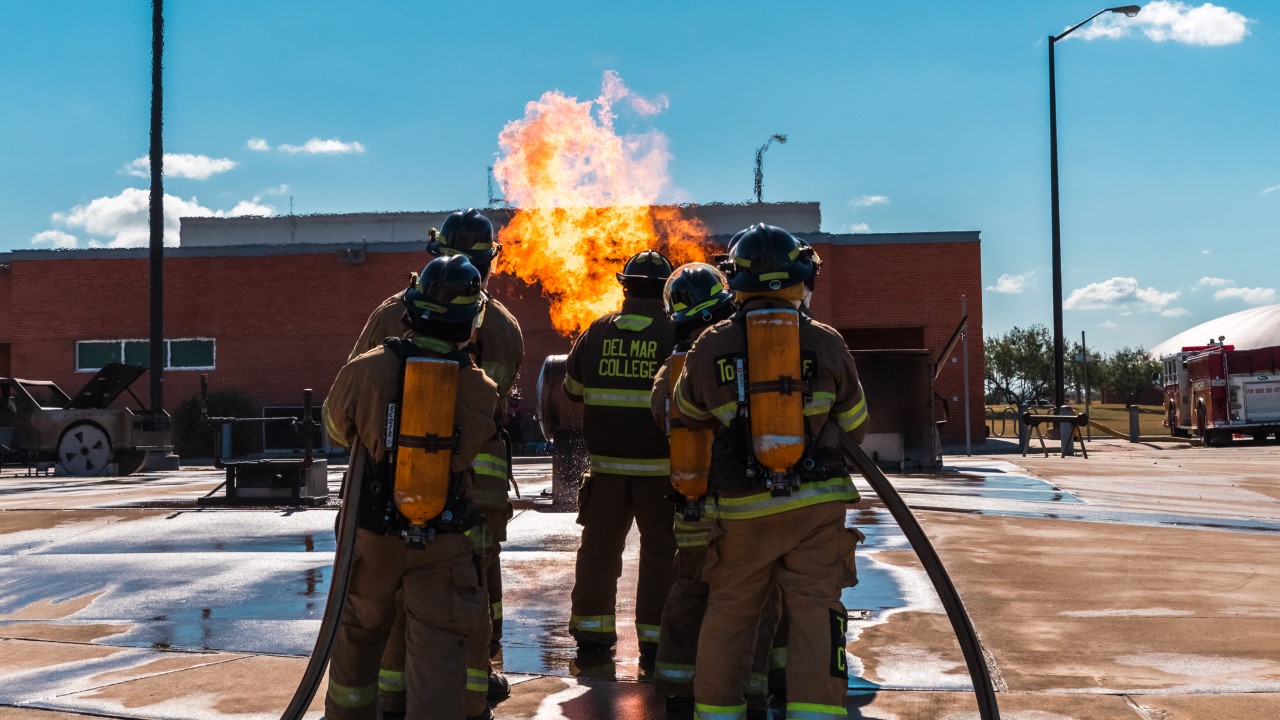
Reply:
x=269, y=306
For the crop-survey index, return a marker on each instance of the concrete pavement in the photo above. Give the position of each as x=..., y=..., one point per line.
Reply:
x=1137, y=583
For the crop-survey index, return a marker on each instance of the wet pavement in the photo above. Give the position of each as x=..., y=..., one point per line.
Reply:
x=1139, y=583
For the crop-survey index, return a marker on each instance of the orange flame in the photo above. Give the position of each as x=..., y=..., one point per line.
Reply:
x=584, y=197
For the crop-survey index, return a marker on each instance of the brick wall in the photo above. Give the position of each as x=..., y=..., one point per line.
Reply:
x=286, y=322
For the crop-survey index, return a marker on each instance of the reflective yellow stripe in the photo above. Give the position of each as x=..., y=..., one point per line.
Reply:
x=480, y=537
x=853, y=417
x=336, y=435
x=839, y=489
x=758, y=684
x=815, y=711
x=495, y=610
x=695, y=534
x=647, y=633
x=726, y=412
x=500, y=373
x=352, y=697
x=632, y=323
x=477, y=680
x=720, y=712
x=593, y=623
x=687, y=408
x=492, y=499
x=432, y=344
x=491, y=465
x=674, y=673
x=390, y=681
x=819, y=403
x=647, y=467
x=612, y=397
x=778, y=658
x=572, y=386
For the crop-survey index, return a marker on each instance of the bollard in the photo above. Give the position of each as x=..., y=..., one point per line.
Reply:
x=1065, y=434
x=1024, y=430
x=226, y=441
x=1135, y=431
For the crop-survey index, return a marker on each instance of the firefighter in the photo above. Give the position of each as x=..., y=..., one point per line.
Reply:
x=498, y=349
x=695, y=297
x=778, y=388
x=430, y=556
x=610, y=371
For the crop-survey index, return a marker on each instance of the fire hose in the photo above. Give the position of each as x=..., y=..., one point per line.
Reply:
x=338, y=584
x=965, y=634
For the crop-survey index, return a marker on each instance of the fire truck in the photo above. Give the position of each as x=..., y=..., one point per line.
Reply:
x=1216, y=392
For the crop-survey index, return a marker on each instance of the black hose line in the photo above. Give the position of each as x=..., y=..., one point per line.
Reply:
x=342, y=561
x=968, y=639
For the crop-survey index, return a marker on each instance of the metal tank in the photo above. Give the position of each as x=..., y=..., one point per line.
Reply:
x=561, y=421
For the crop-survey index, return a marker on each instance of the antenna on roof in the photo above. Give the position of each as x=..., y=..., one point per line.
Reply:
x=493, y=201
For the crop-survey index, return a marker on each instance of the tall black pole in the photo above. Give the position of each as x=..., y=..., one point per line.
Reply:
x=1059, y=394
x=156, y=209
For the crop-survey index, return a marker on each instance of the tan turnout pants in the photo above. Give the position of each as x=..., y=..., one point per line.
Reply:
x=442, y=604
x=606, y=506
x=810, y=554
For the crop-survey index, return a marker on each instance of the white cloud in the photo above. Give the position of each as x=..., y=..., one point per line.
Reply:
x=55, y=238
x=182, y=165
x=316, y=146
x=868, y=201
x=123, y=219
x=1169, y=20
x=858, y=228
x=1122, y=293
x=1271, y=189
x=1208, y=281
x=258, y=145
x=1250, y=296
x=1205, y=252
x=1108, y=324
x=282, y=189
x=1012, y=284
x=1175, y=312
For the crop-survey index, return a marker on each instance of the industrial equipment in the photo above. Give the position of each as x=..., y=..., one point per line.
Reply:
x=268, y=481
x=40, y=424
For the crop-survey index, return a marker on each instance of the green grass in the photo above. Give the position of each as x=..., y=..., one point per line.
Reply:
x=1113, y=415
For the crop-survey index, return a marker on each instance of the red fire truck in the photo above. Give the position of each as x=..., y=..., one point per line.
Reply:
x=1216, y=392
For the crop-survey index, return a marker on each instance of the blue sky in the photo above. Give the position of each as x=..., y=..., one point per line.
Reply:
x=901, y=117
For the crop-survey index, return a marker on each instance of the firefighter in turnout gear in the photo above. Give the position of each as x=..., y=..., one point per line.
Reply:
x=778, y=388
x=416, y=509
x=696, y=297
x=498, y=349
x=610, y=371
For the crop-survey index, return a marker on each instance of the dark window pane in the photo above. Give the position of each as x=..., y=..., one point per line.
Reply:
x=92, y=355
x=137, y=352
x=191, y=354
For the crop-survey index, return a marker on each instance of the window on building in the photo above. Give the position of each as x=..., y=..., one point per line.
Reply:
x=180, y=354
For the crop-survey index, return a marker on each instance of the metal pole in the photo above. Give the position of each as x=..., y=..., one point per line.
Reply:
x=156, y=209
x=1059, y=393
x=964, y=350
x=1084, y=354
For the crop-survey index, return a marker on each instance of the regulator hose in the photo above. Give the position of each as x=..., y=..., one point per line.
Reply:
x=338, y=584
x=968, y=639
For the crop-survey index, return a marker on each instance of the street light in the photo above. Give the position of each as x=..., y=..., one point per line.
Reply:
x=782, y=139
x=1059, y=397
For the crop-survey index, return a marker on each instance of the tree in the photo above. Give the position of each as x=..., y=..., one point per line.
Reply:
x=1128, y=372
x=1020, y=364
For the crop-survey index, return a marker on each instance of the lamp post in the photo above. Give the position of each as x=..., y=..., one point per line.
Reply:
x=1059, y=397
x=782, y=139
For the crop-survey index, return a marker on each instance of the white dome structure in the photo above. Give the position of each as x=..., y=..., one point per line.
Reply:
x=1250, y=329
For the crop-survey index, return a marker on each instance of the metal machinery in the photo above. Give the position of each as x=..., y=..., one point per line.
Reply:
x=40, y=424
x=561, y=423
x=269, y=481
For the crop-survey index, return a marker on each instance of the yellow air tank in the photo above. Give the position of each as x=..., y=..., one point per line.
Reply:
x=690, y=447
x=774, y=384
x=425, y=442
